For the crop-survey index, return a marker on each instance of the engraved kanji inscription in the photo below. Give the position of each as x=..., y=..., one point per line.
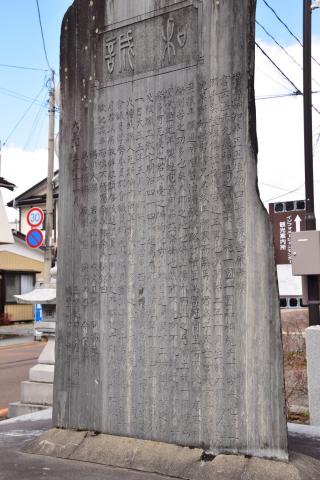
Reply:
x=167, y=37
x=126, y=50
x=110, y=54
x=157, y=43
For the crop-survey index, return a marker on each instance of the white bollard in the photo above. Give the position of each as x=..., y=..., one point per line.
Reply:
x=313, y=366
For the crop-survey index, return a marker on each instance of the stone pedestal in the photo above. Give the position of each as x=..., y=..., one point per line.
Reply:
x=36, y=393
x=313, y=362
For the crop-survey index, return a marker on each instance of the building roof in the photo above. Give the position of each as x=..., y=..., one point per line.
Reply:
x=5, y=184
x=20, y=270
x=30, y=196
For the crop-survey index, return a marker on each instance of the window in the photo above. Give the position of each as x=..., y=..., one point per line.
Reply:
x=289, y=206
x=302, y=304
x=293, y=302
x=279, y=207
x=26, y=283
x=283, y=302
x=18, y=284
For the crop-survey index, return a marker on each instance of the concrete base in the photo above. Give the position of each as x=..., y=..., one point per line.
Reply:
x=41, y=373
x=313, y=365
x=47, y=355
x=37, y=393
x=16, y=409
x=170, y=460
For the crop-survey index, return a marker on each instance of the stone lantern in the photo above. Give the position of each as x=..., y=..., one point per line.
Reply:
x=37, y=392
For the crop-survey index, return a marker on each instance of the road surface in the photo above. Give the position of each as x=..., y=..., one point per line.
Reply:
x=15, y=362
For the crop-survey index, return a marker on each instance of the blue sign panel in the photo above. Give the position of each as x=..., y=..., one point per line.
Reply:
x=38, y=312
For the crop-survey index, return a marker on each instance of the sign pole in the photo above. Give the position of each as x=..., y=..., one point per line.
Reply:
x=49, y=200
x=313, y=288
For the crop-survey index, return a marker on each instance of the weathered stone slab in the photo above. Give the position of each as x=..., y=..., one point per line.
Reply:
x=56, y=443
x=169, y=460
x=168, y=318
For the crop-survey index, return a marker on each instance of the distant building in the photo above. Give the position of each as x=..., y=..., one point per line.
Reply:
x=5, y=230
x=20, y=267
x=36, y=197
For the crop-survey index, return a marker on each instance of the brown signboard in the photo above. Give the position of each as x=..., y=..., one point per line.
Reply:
x=286, y=217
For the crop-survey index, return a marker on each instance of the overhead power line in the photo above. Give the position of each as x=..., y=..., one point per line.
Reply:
x=42, y=35
x=16, y=95
x=284, y=194
x=297, y=90
x=35, y=123
x=283, y=49
x=274, y=186
x=23, y=116
x=273, y=79
x=5, y=65
x=279, y=44
x=280, y=95
x=287, y=28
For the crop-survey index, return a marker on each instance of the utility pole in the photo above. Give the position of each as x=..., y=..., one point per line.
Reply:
x=313, y=286
x=49, y=201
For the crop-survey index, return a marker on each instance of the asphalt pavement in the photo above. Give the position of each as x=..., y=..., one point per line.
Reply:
x=16, y=359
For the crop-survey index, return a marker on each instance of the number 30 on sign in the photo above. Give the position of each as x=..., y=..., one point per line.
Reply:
x=35, y=217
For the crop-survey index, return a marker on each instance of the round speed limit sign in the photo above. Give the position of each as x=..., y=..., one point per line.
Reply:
x=35, y=217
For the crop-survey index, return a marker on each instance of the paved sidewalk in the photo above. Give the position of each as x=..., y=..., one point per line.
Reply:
x=14, y=465
x=19, y=329
x=304, y=439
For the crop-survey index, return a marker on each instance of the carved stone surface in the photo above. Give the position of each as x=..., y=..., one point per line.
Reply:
x=168, y=318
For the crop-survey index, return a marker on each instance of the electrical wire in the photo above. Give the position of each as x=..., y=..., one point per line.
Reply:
x=36, y=121
x=16, y=95
x=23, y=116
x=5, y=65
x=297, y=90
x=280, y=95
x=283, y=49
x=279, y=69
x=287, y=28
x=280, y=196
x=274, y=186
x=277, y=43
x=42, y=35
x=273, y=79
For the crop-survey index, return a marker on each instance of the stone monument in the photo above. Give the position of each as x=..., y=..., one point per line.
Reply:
x=168, y=315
